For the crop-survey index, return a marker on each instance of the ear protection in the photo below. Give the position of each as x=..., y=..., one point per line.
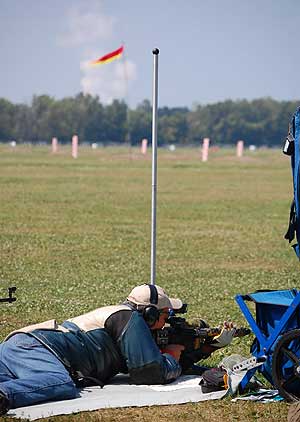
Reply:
x=151, y=313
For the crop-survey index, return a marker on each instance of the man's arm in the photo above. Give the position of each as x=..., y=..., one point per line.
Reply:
x=146, y=364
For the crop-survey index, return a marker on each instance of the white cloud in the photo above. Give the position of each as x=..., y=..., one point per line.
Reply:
x=87, y=27
x=108, y=81
x=86, y=24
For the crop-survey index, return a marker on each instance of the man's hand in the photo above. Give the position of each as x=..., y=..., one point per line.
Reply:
x=225, y=337
x=174, y=350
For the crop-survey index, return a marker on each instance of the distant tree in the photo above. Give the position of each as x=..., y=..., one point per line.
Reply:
x=63, y=122
x=23, y=123
x=172, y=127
x=41, y=114
x=94, y=124
x=140, y=122
x=116, y=122
x=7, y=112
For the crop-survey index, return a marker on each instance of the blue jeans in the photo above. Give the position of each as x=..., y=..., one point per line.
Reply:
x=29, y=373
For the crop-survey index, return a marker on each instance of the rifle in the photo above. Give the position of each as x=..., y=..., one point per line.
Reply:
x=192, y=337
x=10, y=298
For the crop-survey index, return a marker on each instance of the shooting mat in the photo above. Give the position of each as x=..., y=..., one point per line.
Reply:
x=121, y=394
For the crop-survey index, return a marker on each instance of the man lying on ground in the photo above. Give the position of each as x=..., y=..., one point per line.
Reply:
x=48, y=361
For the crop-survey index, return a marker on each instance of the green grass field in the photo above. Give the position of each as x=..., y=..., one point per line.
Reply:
x=75, y=235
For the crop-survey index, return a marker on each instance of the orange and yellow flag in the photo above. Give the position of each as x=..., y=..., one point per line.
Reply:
x=108, y=57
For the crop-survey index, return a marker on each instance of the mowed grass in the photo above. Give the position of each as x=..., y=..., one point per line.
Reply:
x=75, y=235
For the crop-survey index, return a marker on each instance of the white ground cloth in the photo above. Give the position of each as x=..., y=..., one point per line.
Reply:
x=120, y=394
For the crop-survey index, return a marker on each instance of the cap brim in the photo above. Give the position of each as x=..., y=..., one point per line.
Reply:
x=176, y=303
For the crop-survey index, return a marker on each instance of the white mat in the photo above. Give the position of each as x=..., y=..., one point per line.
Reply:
x=120, y=394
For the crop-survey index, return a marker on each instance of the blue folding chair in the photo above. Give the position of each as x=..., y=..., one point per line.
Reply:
x=276, y=347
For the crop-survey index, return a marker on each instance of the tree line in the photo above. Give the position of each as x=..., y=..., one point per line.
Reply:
x=260, y=122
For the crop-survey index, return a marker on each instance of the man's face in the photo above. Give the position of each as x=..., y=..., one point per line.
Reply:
x=163, y=316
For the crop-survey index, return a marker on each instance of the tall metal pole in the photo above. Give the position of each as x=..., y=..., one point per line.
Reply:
x=154, y=164
x=128, y=135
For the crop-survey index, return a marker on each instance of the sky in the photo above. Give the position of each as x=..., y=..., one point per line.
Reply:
x=210, y=51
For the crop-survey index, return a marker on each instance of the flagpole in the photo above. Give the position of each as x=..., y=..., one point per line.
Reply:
x=154, y=165
x=128, y=136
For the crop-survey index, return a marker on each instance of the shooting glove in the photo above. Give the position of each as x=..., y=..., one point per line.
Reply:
x=225, y=337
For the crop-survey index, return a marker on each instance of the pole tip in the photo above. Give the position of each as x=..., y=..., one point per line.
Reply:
x=155, y=51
